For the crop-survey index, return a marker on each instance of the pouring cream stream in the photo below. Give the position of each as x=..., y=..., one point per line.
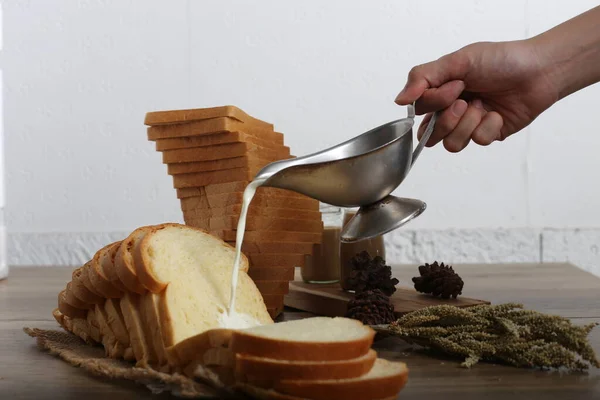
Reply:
x=241, y=227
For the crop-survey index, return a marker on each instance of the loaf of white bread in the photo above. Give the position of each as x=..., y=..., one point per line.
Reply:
x=160, y=297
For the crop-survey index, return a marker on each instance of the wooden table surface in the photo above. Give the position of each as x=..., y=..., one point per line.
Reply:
x=29, y=295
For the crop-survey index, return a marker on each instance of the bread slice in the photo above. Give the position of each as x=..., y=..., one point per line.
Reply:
x=274, y=311
x=209, y=177
x=221, y=151
x=108, y=267
x=219, y=138
x=272, y=273
x=273, y=300
x=92, y=326
x=98, y=277
x=209, y=127
x=124, y=264
x=270, y=236
x=158, y=118
x=275, y=247
x=67, y=309
x=385, y=379
x=274, y=200
x=149, y=309
x=236, y=209
x=235, y=187
x=58, y=316
x=80, y=290
x=216, y=165
x=73, y=300
x=180, y=262
x=310, y=339
x=116, y=322
x=260, y=200
x=272, y=287
x=79, y=327
x=265, y=372
x=259, y=223
x=130, y=304
x=113, y=348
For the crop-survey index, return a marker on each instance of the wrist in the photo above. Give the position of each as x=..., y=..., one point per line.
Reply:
x=569, y=54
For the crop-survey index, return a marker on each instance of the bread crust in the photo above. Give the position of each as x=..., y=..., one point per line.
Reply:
x=67, y=309
x=272, y=212
x=238, y=187
x=98, y=278
x=263, y=223
x=80, y=290
x=108, y=267
x=216, y=139
x=177, y=117
x=272, y=287
x=272, y=273
x=263, y=372
x=221, y=151
x=282, y=236
x=244, y=342
x=261, y=200
x=216, y=165
x=125, y=265
x=73, y=300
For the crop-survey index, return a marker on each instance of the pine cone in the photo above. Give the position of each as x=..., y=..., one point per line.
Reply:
x=370, y=274
x=438, y=280
x=371, y=307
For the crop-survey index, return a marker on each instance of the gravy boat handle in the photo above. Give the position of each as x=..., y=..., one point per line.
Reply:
x=426, y=135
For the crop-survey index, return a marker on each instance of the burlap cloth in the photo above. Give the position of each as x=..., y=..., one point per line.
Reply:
x=76, y=352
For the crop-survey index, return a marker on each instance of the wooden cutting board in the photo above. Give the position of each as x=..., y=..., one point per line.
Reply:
x=331, y=301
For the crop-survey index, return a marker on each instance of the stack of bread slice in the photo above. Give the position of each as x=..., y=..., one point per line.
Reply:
x=319, y=358
x=212, y=154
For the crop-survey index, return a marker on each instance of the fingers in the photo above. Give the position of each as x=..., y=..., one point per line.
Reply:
x=489, y=129
x=446, y=122
x=439, y=98
x=433, y=75
x=462, y=122
x=460, y=136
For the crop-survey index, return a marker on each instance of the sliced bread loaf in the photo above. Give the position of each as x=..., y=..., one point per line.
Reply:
x=273, y=287
x=236, y=187
x=179, y=262
x=311, y=339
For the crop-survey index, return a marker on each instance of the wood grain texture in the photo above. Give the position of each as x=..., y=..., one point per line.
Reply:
x=29, y=295
x=330, y=300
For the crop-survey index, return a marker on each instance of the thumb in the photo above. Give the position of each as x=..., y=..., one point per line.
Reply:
x=453, y=66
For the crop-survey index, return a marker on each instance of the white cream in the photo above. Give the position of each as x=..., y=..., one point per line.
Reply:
x=241, y=227
x=237, y=321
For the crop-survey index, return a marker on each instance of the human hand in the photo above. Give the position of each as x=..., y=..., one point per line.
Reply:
x=487, y=91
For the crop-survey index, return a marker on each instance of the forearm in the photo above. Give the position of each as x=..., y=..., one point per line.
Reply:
x=571, y=52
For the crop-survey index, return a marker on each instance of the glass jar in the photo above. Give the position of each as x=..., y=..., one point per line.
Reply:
x=375, y=247
x=323, y=265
